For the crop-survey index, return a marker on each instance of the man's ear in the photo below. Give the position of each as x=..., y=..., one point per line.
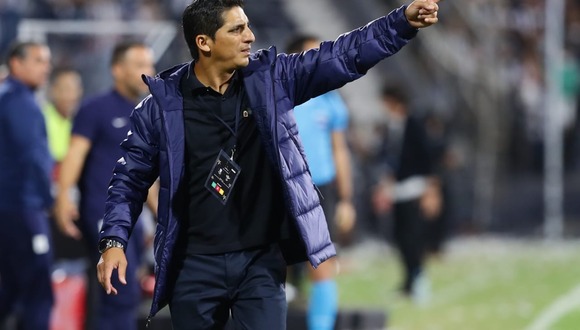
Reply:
x=203, y=43
x=116, y=71
x=14, y=64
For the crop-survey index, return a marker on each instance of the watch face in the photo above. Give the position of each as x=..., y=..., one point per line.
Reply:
x=104, y=244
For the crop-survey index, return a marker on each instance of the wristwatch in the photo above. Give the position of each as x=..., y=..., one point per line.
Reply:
x=107, y=243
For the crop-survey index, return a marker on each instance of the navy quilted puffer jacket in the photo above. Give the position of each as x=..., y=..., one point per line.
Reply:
x=274, y=83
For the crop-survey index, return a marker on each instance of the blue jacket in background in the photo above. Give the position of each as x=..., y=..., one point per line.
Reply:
x=274, y=83
x=25, y=160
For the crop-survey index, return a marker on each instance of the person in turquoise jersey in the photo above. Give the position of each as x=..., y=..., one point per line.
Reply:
x=322, y=122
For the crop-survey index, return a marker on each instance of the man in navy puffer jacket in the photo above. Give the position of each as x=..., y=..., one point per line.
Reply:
x=236, y=200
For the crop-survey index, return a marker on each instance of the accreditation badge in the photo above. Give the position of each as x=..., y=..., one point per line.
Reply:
x=222, y=177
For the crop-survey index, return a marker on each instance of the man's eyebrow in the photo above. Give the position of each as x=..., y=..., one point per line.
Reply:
x=238, y=25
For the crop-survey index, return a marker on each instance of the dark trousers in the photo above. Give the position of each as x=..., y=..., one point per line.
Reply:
x=408, y=232
x=247, y=285
x=25, y=262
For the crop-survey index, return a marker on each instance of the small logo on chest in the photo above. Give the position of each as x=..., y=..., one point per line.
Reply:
x=119, y=122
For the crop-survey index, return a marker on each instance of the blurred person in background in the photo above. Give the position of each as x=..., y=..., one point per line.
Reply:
x=407, y=183
x=322, y=122
x=64, y=96
x=443, y=162
x=26, y=165
x=99, y=127
x=237, y=202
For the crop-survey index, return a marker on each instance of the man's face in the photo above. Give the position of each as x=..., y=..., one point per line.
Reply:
x=395, y=109
x=127, y=73
x=66, y=92
x=232, y=43
x=34, y=68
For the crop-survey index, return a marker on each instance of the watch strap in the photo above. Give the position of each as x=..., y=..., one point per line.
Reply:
x=107, y=243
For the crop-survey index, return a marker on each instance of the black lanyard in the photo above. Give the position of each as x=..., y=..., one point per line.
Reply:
x=234, y=131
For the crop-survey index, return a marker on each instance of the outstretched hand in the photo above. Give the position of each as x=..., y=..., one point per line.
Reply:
x=422, y=13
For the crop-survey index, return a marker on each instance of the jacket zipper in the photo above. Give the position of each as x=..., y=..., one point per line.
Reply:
x=275, y=137
x=148, y=321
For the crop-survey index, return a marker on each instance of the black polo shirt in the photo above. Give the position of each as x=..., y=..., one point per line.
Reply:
x=254, y=212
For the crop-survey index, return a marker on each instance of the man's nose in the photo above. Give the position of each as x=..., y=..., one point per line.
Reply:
x=250, y=37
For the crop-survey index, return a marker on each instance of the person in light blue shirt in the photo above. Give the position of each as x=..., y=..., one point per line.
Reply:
x=318, y=120
x=322, y=122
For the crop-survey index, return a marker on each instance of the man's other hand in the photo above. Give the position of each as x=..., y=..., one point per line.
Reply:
x=113, y=258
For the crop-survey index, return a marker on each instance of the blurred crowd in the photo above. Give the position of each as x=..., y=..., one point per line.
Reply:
x=485, y=74
x=499, y=46
x=518, y=57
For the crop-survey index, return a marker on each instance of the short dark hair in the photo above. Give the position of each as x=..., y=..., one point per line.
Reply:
x=394, y=92
x=122, y=48
x=296, y=43
x=19, y=49
x=204, y=17
x=60, y=71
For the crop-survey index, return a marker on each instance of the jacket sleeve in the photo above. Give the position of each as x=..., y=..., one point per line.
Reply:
x=349, y=57
x=133, y=174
